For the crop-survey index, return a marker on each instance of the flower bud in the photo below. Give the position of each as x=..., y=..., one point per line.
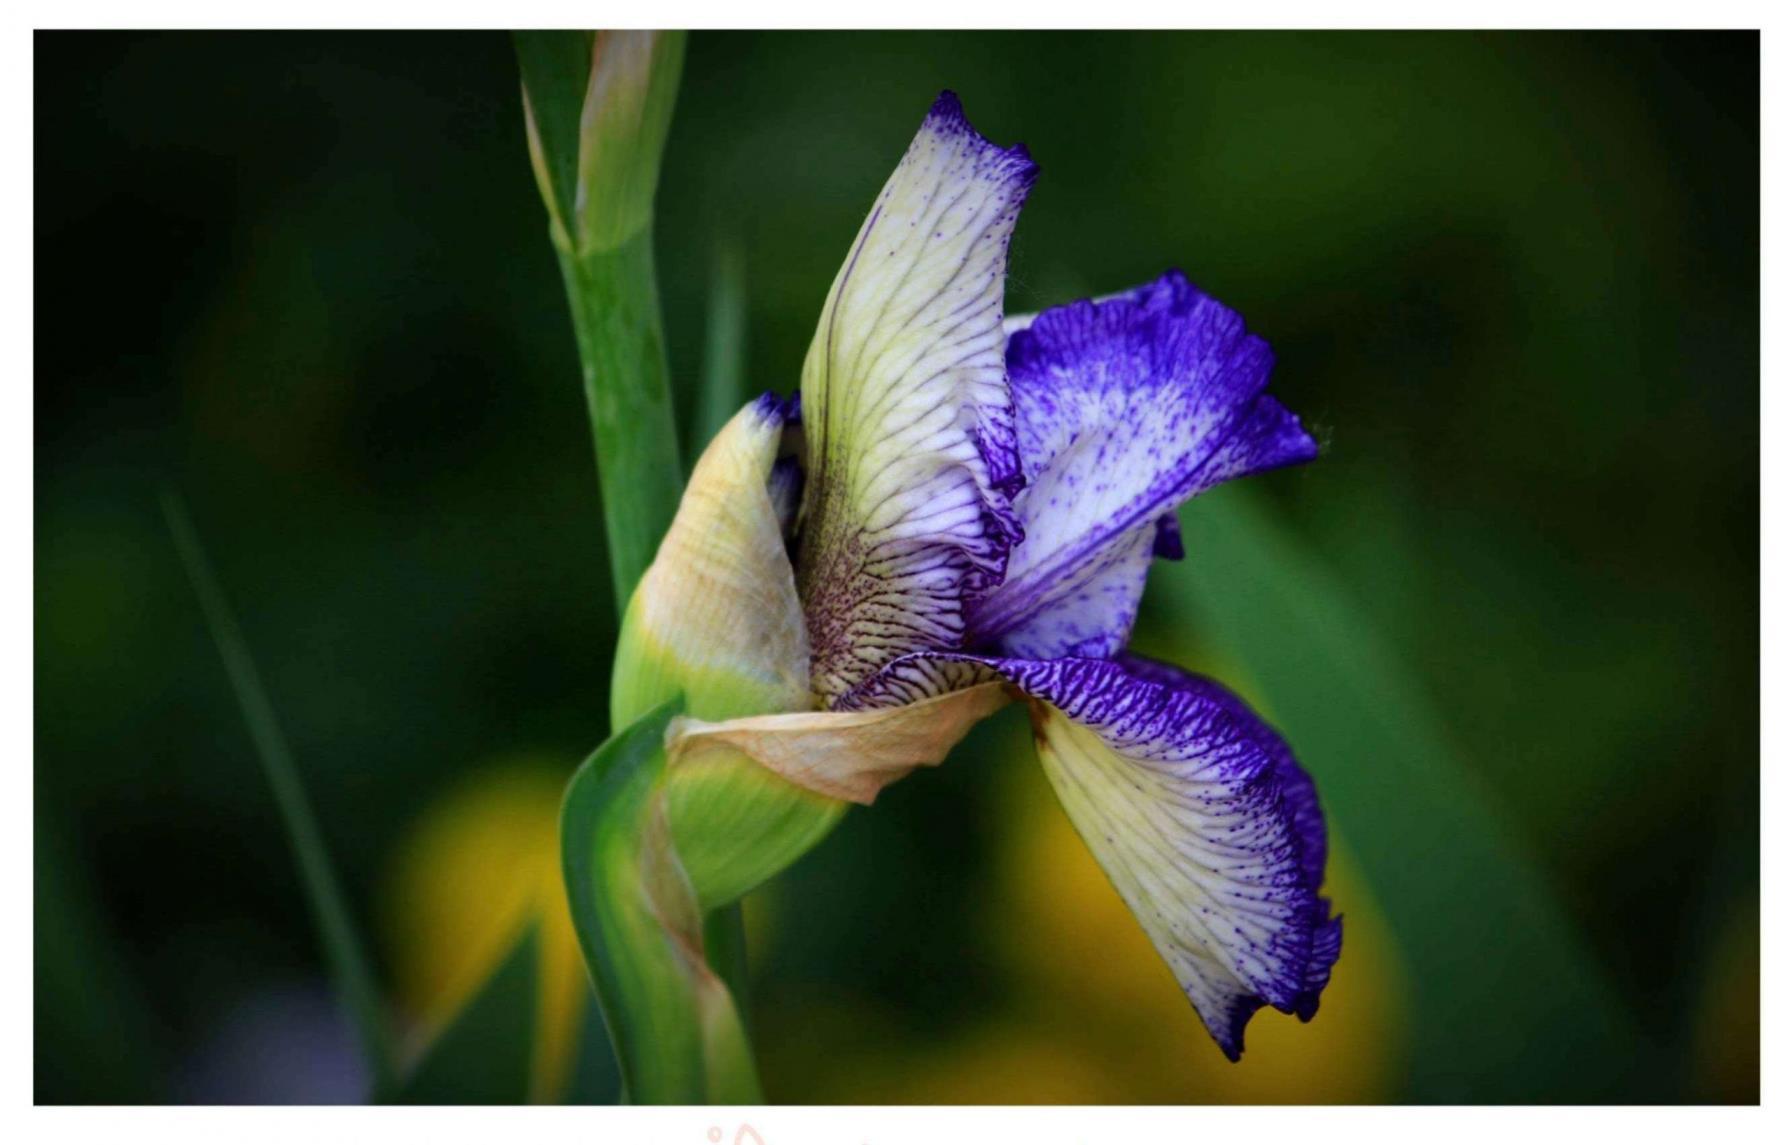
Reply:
x=596, y=148
x=716, y=618
x=755, y=775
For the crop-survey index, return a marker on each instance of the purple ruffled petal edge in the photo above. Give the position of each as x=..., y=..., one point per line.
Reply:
x=1126, y=407
x=1141, y=705
x=1301, y=798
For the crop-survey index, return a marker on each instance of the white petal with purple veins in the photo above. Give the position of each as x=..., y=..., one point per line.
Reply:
x=1197, y=811
x=911, y=448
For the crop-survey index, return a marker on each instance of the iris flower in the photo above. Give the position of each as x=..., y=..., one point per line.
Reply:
x=958, y=511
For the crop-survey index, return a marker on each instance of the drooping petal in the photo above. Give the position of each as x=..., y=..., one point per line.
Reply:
x=1304, y=800
x=1125, y=408
x=911, y=441
x=1197, y=811
x=716, y=615
x=1188, y=802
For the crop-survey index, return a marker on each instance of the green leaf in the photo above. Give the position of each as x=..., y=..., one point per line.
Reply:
x=677, y=1035
x=725, y=949
x=1508, y=1003
x=597, y=106
x=595, y=1079
x=737, y=824
x=343, y=948
x=485, y=1055
x=556, y=67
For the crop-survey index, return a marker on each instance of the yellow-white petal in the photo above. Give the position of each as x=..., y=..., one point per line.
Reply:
x=716, y=615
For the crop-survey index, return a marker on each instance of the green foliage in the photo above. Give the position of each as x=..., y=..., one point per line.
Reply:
x=737, y=824
x=628, y=109
x=556, y=67
x=343, y=946
x=677, y=1034
x=598, y=105
x=484, y=1055
x=595, y=1079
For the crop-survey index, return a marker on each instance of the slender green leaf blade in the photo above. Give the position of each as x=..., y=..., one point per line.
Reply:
x=556, y=67
x=1508, y=1003
x=595, y=1078
x=485, y=1055
x=725, y=943
x=344, y=949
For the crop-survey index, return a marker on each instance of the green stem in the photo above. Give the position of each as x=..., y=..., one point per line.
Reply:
x=724, y=386
x=597, y=112
x=615, y=303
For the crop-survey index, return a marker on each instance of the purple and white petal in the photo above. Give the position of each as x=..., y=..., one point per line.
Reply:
x=912, y=455
x=1092, y=614
x=1194, y=807
x=1124, y=408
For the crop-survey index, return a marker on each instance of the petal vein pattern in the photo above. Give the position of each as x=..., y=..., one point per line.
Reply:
x=910, y=430
x=1125, y=408
x=1194, y=807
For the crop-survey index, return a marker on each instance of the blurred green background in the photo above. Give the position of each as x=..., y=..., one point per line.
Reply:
x=1509, y=618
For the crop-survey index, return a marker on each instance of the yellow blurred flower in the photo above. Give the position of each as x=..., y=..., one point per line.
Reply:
x=480, y=863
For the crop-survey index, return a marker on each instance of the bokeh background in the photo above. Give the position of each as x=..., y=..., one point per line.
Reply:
x=1509, y=618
